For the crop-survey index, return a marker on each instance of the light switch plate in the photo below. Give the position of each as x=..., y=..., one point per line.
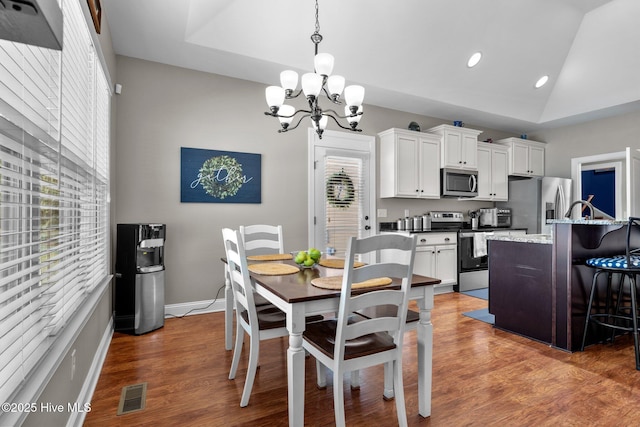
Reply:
x=382, y=213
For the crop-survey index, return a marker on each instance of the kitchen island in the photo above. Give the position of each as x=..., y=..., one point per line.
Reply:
x=539, y=284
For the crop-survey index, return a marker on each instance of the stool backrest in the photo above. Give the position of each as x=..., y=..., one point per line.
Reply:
x=633, y=240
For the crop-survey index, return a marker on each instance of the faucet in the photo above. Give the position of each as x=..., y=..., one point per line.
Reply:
x=580, y=202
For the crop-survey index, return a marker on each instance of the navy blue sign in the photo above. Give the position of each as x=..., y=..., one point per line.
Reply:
x=212, y=176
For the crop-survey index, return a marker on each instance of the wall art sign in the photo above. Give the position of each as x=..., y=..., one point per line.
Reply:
x=95, y=8
x=213, y=176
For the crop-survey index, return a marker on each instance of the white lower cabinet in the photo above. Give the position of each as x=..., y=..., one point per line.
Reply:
x=437, y=256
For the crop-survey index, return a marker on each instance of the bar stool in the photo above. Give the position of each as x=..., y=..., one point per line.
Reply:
x=618, y=317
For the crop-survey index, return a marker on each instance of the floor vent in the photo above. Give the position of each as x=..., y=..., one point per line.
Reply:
x=132, y=398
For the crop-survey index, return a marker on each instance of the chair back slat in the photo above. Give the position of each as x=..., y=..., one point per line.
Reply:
x=262, y=239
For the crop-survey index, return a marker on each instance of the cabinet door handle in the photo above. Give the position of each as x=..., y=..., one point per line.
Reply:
x=423, y=240
x=446, y=239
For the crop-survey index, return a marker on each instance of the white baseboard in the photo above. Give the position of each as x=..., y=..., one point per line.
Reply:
x=194, y=307
x=90, y=382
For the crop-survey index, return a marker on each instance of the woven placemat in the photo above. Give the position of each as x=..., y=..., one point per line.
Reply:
x=270, y=257
x=272, y=269
x=335, y=282
x=337, y=263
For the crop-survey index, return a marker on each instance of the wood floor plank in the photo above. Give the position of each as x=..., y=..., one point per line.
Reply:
x=481, y=376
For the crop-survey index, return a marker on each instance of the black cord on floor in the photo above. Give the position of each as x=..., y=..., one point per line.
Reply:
x=201, y=308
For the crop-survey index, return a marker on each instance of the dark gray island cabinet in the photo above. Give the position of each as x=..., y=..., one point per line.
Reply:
x=539, y=286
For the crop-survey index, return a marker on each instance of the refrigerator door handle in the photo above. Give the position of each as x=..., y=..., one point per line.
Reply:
x=560, y=202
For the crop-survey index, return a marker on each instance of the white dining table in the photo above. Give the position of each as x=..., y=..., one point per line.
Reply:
x=294, y=295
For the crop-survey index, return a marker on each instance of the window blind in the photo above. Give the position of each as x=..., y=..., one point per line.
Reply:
x=54, y=183
x=343, y=196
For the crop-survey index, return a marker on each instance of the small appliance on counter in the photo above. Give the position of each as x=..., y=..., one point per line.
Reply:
x=495, y=217
x=416, y=223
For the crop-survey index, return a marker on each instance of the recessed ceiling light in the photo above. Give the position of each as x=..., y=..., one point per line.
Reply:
x=541, y=81
x=475, y=58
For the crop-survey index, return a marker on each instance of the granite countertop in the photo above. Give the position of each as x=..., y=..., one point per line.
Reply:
x=588, y=221
x=546, y=239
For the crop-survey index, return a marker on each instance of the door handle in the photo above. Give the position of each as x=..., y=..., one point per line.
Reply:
x=366, y=227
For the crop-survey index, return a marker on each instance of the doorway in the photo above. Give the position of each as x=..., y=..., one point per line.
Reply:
x=342, y=190
x=598, y=182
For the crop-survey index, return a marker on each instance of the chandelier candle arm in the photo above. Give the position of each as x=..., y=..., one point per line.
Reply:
x=312, y=84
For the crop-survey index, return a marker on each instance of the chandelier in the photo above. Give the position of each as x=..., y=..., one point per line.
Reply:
x=313, y=84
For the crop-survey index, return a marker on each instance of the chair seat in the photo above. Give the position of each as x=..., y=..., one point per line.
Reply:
x=617, y=262
x=271, y=317
x=388, y=310
x=322, y=336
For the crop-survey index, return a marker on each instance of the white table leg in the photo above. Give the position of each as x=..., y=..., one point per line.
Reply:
x=425, y=352
x=295, y=367
x=228, y=310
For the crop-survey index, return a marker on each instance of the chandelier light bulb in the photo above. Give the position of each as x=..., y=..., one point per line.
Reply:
x=289, y=80
x=323, y=63
x=286, y=110
x=335, y=84
x=354, y=95
x=311, y=84
x=275, y=96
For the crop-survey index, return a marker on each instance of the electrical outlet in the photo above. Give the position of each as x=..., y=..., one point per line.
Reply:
x=73, y=363
x=382, y=213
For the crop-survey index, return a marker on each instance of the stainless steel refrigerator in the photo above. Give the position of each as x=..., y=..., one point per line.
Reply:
x=534, y=200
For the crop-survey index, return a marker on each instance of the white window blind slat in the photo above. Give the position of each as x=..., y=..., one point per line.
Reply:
x=54, y=182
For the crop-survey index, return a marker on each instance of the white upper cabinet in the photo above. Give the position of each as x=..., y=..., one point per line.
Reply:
x=459, y=146
x=493, y=164
x=409, y=164
x=526, y=157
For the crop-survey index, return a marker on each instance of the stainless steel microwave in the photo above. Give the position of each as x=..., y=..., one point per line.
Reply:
x=458, y=183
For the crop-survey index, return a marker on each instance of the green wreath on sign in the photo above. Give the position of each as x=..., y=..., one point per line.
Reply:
x=340, y=190
x=221, y=176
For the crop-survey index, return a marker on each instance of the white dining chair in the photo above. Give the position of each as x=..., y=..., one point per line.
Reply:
x=260, y=323
x=345, y=346
x=262, y=239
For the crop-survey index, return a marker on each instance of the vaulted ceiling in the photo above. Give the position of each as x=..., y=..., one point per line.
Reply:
x=411, y=55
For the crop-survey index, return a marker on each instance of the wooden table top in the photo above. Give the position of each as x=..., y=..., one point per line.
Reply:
x=297, y=287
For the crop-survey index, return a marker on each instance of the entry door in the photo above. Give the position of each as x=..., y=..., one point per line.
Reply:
x=342, y=190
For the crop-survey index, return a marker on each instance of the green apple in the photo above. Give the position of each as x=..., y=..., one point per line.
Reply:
x=315, y=254
x=300, y=257
x=309, y=262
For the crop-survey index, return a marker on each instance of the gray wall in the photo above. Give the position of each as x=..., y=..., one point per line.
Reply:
x=597, y=137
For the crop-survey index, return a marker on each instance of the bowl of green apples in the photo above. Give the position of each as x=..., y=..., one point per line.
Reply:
x=307, y=259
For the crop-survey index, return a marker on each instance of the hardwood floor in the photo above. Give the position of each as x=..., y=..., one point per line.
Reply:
x=481, y=376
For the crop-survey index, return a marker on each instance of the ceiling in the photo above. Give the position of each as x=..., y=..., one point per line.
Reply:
x=411, y=55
